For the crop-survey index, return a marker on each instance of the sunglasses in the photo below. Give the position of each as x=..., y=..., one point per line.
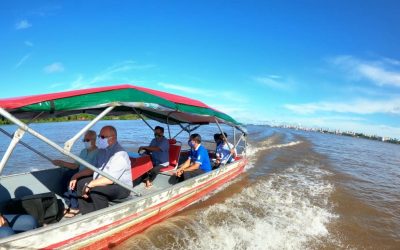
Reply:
x=102, y=136
x=86, y=140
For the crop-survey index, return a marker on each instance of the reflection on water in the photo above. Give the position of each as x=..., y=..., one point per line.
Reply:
x=300, y=190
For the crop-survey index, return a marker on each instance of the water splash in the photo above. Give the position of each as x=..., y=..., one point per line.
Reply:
x=287, y=210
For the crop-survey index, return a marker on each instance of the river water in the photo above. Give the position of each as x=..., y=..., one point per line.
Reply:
x=300, y=190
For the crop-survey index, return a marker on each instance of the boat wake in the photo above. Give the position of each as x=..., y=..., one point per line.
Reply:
x=252, y=151
x=284, y=210
x=287, y=210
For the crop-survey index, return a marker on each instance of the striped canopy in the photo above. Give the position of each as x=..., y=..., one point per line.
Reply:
x=157, y=105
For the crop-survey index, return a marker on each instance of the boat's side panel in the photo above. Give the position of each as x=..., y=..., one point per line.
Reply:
x=164, y=212
x=19, y=185
x=121, y=221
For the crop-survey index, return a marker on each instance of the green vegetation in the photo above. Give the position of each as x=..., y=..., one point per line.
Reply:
x=78, y=117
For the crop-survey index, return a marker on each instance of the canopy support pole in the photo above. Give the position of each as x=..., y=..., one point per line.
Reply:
x=141, y=117
x=222, y=133
x=25, y=128
x=68, y=144
x=235, y=146
x=15, y=139
x=26, y=145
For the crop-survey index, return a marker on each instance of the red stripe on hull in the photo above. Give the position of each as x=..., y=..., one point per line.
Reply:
x=139, y=227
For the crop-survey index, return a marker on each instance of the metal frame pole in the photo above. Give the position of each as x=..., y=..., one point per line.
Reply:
x=26, y=128
x=16, y=138
x=26, y=145
x=68, y=144
x=141, y=117
x=222, y=133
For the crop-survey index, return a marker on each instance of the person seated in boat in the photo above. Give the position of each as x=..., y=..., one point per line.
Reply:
x=16, y=223
x=89, y=154
x=225, y=153
x=198, y=161
x=159, y=151
x=96, y=191
x=217, y=141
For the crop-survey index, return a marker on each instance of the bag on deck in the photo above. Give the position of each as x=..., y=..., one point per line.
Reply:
x=45, y=208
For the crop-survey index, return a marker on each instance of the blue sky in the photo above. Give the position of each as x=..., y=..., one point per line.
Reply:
x=329, y=64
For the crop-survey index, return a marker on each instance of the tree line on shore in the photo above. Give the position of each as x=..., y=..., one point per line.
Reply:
x=78, y=117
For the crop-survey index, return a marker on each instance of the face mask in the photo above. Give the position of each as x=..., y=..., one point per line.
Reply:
x=87, y=144
x=190, y=143
x=102, y=143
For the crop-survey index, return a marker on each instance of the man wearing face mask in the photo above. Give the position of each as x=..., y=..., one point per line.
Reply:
x=198, y=161
x=159, y=151
x=97, y=191
x=89, y=154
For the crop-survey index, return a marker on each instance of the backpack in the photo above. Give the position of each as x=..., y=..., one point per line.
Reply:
x=45, y=207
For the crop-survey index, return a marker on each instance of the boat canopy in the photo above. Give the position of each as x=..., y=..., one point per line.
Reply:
x=161, y=106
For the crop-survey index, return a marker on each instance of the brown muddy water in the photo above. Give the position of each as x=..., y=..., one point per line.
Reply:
x=301, y=190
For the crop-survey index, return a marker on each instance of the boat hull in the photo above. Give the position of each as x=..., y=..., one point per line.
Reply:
x=108, y=227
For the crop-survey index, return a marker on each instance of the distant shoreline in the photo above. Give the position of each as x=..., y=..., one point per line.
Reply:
x=349, y=134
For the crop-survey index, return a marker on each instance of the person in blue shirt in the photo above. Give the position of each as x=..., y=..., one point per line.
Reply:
x=159, y=151
x=198, y=161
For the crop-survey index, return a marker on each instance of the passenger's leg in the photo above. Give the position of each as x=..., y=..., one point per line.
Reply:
x=193, y=173
x=154, y=172
x=85, y=205
x=5, y=232
x=101, y=195
x=21, y=222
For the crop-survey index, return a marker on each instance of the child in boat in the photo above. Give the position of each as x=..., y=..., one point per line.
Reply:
x=89, y=154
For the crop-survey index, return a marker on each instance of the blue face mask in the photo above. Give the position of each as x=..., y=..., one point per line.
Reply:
x=190, y=143
x=87, y=144
x=102, y=143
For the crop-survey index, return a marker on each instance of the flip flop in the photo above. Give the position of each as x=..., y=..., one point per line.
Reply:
x=71, y=213
x=66, y=211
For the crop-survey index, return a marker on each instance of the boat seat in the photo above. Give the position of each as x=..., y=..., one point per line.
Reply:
x=174, y=153
x=140, y=166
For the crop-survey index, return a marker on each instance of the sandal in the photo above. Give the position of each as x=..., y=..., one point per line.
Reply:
x=71, y=213
x=66, y=211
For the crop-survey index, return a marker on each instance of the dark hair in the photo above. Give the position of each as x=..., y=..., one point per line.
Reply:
x=196, y=138
x=159, y=128
x=216, y=136
x=222, y=136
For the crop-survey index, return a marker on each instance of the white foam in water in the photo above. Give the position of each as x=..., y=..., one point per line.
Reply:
x=288, y=210
x=251, y=151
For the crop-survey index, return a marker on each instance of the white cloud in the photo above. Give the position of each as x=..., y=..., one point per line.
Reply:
x=56, y=67
x=22, y=61
x=23, y=24
x=362, y=106
x=28, y=43
x=108, y=76
x=186, y=89
x=273, y=81
x=224, y=95
x=381, y=72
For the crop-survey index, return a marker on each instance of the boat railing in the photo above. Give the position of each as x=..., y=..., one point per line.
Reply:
x=22, y=128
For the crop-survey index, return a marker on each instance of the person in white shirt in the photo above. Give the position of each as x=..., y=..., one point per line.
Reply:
x=97, y=191
x=224, y=153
